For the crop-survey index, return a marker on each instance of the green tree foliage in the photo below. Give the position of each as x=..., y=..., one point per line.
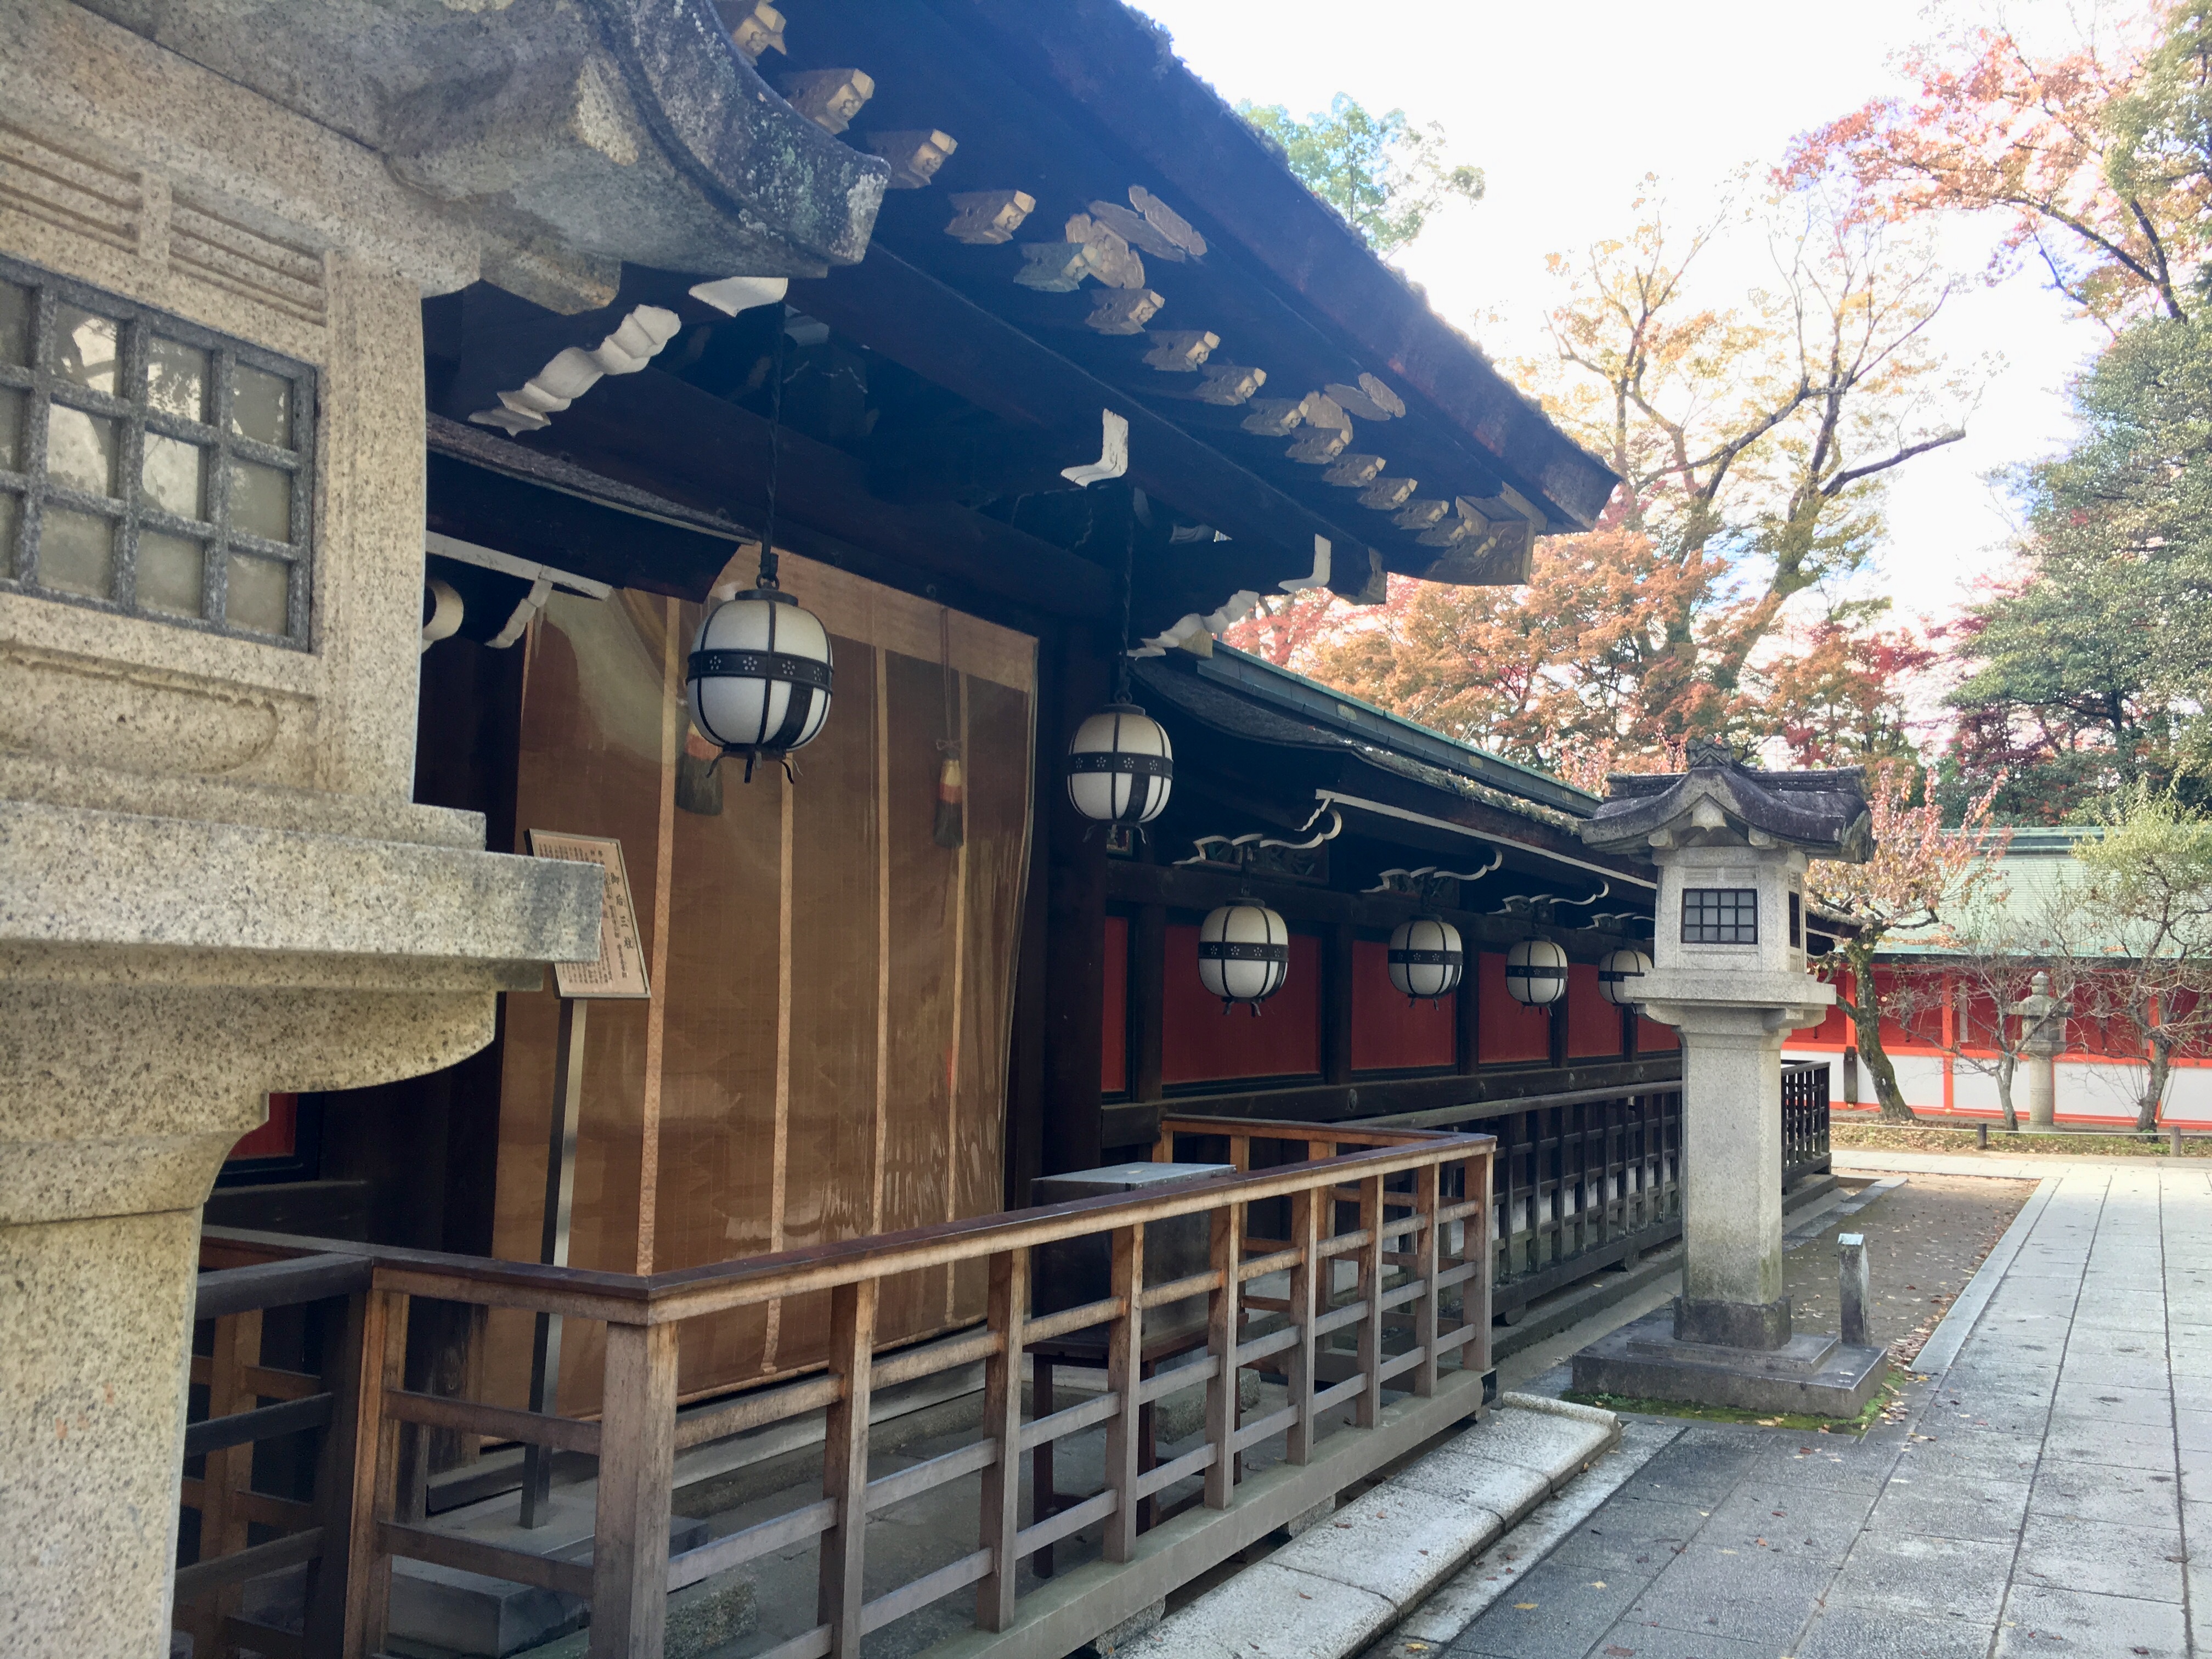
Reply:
x=2094, y=674
x=1385, y=175
x=2151, y=878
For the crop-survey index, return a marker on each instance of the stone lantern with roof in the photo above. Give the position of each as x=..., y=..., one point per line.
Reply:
x=1732, y=844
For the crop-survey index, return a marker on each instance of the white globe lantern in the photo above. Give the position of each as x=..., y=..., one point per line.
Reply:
x=1243, y=953
x=1618, y=975
x=1536, y=972
x=1425, y=958
x=759, y=675
x=1120, y=766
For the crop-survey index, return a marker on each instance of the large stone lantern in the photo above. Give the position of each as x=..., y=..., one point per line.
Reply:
x=218, y=225
x=1732, y=845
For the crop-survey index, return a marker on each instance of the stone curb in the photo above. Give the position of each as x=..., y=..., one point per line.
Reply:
x=1338, y=1586
x=1958, y=1320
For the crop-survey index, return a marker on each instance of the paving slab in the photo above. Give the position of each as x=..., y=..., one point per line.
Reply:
x=2082, y=1625
x=2027, y=1496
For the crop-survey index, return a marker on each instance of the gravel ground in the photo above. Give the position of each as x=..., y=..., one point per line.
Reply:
x=1869, y=1135
x=1923, y=1242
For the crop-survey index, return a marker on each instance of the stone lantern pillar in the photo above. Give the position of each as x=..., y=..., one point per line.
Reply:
x=1732, y=845
x=2043, y=1018
x=218, y=225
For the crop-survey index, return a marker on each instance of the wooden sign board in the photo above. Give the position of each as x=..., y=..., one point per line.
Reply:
x=619, y=970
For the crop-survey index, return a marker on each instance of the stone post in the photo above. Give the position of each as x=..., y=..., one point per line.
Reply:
x=2044, y=1019
x=1854, y=1292
x=1731, y=1179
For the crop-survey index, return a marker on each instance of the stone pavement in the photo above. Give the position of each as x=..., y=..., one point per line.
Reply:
x=2040, y=1495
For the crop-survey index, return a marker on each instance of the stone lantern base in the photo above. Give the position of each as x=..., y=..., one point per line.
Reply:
x=1816, y=1375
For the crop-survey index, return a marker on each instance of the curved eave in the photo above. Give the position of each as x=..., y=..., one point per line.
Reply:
x=1118, y=68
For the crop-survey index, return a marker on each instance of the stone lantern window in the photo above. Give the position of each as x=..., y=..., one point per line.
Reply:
x=1720, y=915
x=151, y=466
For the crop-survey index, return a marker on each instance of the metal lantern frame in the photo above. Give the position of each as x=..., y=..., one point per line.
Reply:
x=1136, y=783
x=778, y=726
x=1225, y=964
x=1617, y=970
x=1536, y=972
x=1426, y=958
x=789, y=689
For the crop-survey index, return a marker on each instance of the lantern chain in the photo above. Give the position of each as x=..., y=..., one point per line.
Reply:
x=768, y=571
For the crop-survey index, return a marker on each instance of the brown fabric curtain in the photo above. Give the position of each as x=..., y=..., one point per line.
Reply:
x=825, y=1054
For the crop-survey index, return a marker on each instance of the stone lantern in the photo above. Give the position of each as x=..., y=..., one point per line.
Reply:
x=1732, y=845
x=2043, y=1035
x=215, y=880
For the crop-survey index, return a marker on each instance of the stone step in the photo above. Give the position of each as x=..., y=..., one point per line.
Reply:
x=1343, y=1582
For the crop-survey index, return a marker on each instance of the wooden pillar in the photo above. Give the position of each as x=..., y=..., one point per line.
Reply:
x=1075, y=920
x=1467, y=1008
x=374, y=1487
x=1306, y=1275
x=1336, y=1004
x=1148, y=970
x=637, y=1466
x=1368, y=1411
x=844, y=1466
x=1124, y=1371
x=1223, y=1330
x=1002, y=1421
x=1025, y=1151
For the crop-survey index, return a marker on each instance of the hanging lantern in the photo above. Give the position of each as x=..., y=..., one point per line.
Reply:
x=1536, y=972
x=1243, y=953
x=760, y=675
x=1425, y=958
x=1618, y=972
x=1120, y=766
x=758, y=679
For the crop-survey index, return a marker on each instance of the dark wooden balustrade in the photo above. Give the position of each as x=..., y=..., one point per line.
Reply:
x=1375, y=1357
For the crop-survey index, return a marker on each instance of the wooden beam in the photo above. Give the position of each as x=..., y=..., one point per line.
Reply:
x=1137, y=1122
x=653, y=430
x=896, y=308
x=1190, y=887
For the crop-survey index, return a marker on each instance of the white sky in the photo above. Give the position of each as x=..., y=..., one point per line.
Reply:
x=1566, y=107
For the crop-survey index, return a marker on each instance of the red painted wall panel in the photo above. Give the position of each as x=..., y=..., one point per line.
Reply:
x=1653, y=1038
x=279, y=1137
x=1387, y=1033
x=1201, y=1044
x=1114, y=1050
x=1508, y=1030
x=1593, y=1023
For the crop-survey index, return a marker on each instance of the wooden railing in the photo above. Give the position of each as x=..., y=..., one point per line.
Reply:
x=250, y=1401
x=1804, y=1117
x=1363, y=1307
x=1592, y=1178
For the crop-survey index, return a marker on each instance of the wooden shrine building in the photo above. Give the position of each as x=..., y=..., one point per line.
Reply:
x=856, y=1028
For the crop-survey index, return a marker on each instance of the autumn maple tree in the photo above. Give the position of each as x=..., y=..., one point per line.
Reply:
x=1751, y=442
x=2092, y=155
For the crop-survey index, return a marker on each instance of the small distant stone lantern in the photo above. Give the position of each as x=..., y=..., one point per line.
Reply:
x=1732, y=845
x=2042, y=1036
